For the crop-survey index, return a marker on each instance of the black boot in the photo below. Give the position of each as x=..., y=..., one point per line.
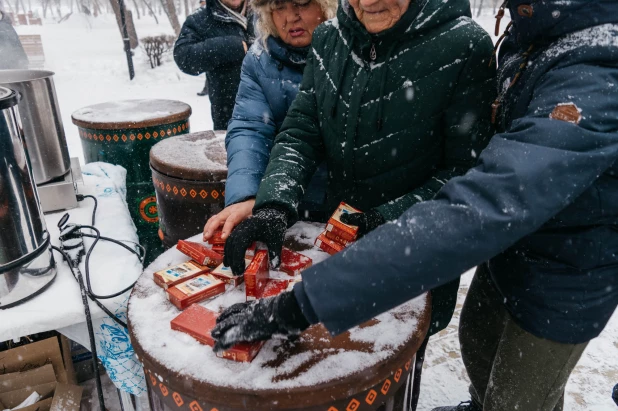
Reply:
x=464, y=406
x=615, y=394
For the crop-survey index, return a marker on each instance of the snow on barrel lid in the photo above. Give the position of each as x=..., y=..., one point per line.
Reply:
x=131, y=114
x=316, y=362
x=196, y=156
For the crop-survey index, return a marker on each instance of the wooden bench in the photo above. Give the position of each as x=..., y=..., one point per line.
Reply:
x=33, y=46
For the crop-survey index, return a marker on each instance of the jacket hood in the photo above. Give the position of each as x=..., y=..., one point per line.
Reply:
x=294, y=57
x=545, y=20
x=422, y=15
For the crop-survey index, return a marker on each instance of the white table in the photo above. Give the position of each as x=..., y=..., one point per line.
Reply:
x=112, y=269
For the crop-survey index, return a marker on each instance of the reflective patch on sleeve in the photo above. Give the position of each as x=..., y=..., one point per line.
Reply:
x=568, y=112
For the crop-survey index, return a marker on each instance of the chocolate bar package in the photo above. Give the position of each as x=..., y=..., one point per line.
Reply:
x=292, y=263
x=198, y=322
x=336, y=238
x=274, y=288
x=326, y=244
x=195, y=290
x=216, y=238
x=339, y=229
x=174, y=275
x=200, y=253
x=225, y=274
x=256, y=275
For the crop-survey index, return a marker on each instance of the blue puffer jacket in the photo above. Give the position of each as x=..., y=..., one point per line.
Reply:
x=540, y=208
x=268, y=84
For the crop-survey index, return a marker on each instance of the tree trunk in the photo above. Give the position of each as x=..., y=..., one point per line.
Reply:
x=136, y=9
x=170, y=9
x=152, y=12
x=187, y=11
x=478, y=12
x=129, y=20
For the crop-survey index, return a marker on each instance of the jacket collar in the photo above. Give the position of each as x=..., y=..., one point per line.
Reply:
x=542, y=21
x=223, y=13
x=295, y=57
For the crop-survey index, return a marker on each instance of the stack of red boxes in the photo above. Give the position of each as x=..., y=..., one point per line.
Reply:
x=338, y=235
x=193, y=281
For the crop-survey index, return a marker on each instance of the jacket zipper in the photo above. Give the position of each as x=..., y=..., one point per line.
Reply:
x=372, y=54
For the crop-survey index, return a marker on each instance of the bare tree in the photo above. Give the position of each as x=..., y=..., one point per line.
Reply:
x=170, y=9
x=136, y=9
x=129, y=21
x=151, y=11
x=187, y=12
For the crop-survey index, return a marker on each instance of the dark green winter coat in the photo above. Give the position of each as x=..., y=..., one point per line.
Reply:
x=394, y=115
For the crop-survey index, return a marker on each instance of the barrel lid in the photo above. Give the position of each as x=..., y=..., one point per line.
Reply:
x=195, y=156
x=131, y=114
x=8, y=98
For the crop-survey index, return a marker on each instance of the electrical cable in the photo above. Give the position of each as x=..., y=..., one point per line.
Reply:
x=81, y=197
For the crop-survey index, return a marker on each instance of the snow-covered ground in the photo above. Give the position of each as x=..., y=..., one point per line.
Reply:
x=90, y=66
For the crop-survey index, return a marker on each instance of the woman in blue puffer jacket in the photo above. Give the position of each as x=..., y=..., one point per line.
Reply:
x=271, y=74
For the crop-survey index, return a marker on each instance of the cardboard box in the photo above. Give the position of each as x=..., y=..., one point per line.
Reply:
x=292, y=263
x=35, y=355
x=195, y=290
x=274, y=287
x=67, y=398
x=256, y=275
x=334, y=237
x=219, y=248
x=225, y=274
x=177, y=274
x=339, y=229
x=21, y=377
x=198, y=322
x=328, y=245
x=200, y=253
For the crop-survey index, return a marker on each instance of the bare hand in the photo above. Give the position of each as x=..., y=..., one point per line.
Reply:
x=229, y=218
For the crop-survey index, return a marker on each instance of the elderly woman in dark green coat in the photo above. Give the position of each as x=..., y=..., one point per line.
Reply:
x=396, y=98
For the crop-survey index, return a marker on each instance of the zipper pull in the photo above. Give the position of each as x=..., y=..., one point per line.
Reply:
x=499, y=17
x=372, y=54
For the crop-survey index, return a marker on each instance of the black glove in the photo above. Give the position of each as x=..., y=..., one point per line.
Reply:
x=365, y=222
x=258, y=321
x=267, y=225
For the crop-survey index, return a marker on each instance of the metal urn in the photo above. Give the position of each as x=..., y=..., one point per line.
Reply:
x=27, y=265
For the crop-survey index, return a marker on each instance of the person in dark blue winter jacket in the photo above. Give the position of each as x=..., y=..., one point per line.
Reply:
x=538, y=215
x=270, y=76
x=214, y=40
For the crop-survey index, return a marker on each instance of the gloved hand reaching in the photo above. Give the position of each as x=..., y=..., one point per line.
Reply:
x=365, y=222
x=267, y=225
x=258, y=321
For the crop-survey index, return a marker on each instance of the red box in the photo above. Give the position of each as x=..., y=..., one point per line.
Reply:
x=216, y=238
x=339, y=229
x=218, y=248
x=274, y=287
x=292, y=263
x=177, y=274
x=225, y=274
x=195, y=290
x=328, y=245
x=256, y=275
x=250, y=253
x=200, y=253
x=332, y=236
x=198, y=322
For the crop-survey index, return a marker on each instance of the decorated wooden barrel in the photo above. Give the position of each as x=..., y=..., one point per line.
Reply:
x=368, y=368
x=123, y=132
x=188, y=173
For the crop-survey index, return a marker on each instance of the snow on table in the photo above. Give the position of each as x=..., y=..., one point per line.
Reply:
x=111, y=268
x=192, y=153
x=150, y=314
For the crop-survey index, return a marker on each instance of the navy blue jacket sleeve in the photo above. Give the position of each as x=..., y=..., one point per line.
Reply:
x=195, y=53
x=250, y=135
x=524, y=177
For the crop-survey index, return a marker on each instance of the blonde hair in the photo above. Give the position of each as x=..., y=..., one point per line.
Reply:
x=265, y=25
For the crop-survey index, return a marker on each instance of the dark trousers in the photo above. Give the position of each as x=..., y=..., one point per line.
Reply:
x=509, y=368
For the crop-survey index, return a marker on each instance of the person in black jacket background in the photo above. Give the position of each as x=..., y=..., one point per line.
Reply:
x=12, y=55
x=215, y=40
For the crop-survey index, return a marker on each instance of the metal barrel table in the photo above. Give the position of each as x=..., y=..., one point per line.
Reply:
x=123, y=132
x=365, y=369
x=189, y=174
